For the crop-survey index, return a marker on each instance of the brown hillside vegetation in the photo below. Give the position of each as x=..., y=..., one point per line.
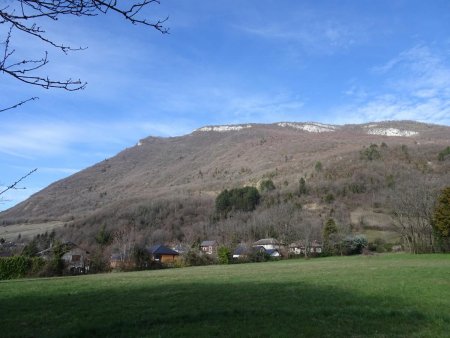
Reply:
x=166, y=186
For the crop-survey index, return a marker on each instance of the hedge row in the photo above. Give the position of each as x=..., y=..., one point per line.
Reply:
x=20, y=266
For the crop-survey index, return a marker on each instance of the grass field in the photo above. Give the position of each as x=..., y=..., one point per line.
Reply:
x=27, y=230
x=393, y=295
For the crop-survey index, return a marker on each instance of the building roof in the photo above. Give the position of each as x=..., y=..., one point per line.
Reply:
x=299, y=244
x=161, y=250
x=272, y=251
x=116, y=257
x=66, y=247
x=266, y=241
x=181, y=248
x=241, y=250
x=6, y=254
x=208, y=243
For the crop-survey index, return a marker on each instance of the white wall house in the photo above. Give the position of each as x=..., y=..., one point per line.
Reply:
x=267, y=243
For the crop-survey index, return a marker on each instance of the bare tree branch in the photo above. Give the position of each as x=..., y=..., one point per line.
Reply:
x=26, y=16
x=14, y=185
x=19, y=104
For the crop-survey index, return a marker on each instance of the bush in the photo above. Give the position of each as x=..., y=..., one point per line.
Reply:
x=354, y=245
x=378, y=245
x=302, y=189
x=266, y=186
x=371, y=153
x=329, y=198
x=19, y=267
x=224, y=255
x=443, y=154
x=194, y=258
x=259, y=256
x=318, y=166
x=98, y=262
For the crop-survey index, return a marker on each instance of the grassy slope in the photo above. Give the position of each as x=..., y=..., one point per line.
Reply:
x=386, y=295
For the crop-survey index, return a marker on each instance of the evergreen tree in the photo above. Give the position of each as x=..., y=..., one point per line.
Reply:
x=441, y=217
x=329, y=230
x=267, y=185
x=302, y=189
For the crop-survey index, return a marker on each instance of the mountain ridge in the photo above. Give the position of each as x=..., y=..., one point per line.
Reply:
x=212, y=158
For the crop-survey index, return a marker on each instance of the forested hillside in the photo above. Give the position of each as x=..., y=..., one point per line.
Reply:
x=165, y=189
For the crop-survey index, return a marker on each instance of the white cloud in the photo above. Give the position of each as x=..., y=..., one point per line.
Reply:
x=40, y=139
x=416, y=87
x=309, y=33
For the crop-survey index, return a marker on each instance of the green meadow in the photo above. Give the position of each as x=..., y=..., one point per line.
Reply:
x=389, y=295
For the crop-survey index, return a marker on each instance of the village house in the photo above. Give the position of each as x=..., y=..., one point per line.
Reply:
x=181, y=248
x=261, y=251
x=209, y=247
x=241, y=251
x=274, y=253
x=163, y=254
x=267, y=243
x=76, y=259
x=316, y=247
x=299, y=248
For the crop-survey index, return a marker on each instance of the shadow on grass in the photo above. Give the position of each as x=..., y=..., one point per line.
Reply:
x=206, y=310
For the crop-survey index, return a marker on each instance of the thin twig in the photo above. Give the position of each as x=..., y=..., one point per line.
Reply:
x=14, y=185
x=19, y=104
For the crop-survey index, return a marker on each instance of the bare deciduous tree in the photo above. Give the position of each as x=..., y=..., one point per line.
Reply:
x=124, y=241
x=413, y=213
x=29, y=16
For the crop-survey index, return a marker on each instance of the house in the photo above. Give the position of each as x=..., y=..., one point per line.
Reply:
x=241, y=251
x=209, y=247
x=76, y=259
x=316, y=247
x=262, y=254
x=267, y=243
x=181, y=248
x=163, y=254
x=299, y=248
x=274, y=253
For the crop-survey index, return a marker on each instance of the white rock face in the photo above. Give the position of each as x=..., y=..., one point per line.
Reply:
x=309, y=127
x=391, y=132
x=139, y=143
x=222, y=129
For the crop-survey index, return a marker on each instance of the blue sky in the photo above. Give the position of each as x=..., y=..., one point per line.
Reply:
x=224, y=62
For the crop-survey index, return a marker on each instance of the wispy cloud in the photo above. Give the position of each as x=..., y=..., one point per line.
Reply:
x=416, y=87
x=309, y=33
x=38, y=139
